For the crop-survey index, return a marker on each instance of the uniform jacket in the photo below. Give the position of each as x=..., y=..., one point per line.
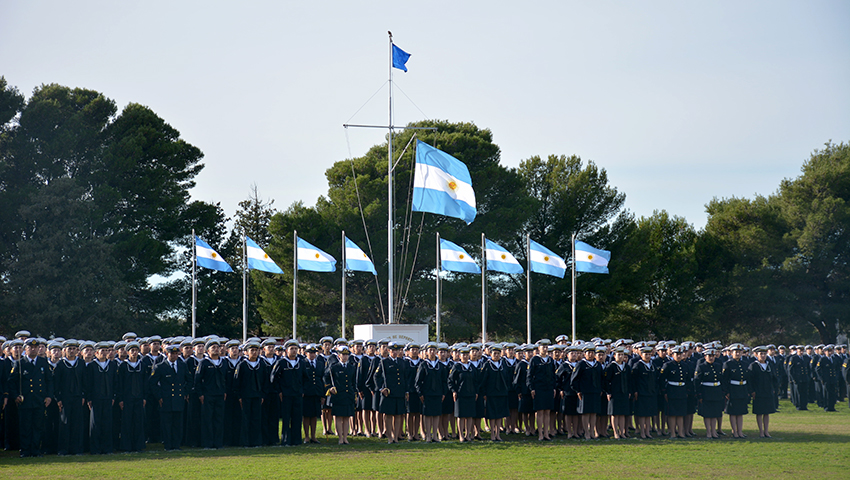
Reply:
x=170, y=386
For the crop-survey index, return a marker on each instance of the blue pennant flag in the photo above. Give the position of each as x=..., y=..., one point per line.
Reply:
x=442, y=185
x=258, y=259
x=543, y=260
x=499, y=259
x=400, y=57
x=591, y=260
x=312, y=259
x=455, y=259
x=209, y=258
x=356, y=259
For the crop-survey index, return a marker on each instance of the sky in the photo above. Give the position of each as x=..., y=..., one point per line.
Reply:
x=680, y=102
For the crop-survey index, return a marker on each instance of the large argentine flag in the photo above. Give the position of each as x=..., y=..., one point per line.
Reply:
x=209, y=258
x=312, y=259
x=499, y=259
x=455, y=259
x=543, y=260
x=259, y=259
x=356, y=259
x=589, y=259
x=442, y=185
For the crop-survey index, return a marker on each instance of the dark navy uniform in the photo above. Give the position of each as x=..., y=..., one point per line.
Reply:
x=674, y=385
x=170, y=388
x=734, y=383
x=431, y=387
x=587, y=380
x=828, y=380
x=287, y=379
x=69, y=385
x=495, y=381
x=463, y=381
x=211, y=384
x=343, y=378
x=763, y=382
x=130, y=393
x=540, y=379
x=30, y=382
x=232, y=410
x=615, y=382
x=644, y=387
x=707, y=385
x=251, y=381
x=100, y=395
x=391, y=375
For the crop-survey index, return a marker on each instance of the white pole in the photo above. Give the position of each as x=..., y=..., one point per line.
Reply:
x=483, y=290
x=244, y=287
x=439, y=267
x=295, y=284
x=343, y=284
x=390, y=245
x=528, y=288
x=574, y=286
x=194, y=281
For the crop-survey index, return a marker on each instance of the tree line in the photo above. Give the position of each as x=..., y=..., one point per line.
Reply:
x=96, y=221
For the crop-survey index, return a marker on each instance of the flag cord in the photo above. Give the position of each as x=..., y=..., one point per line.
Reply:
x=370, y=99
x=408, y=222
x=415, y=255
x=365, y=230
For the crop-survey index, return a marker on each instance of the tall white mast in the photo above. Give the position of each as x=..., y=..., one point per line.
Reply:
x=390, y=245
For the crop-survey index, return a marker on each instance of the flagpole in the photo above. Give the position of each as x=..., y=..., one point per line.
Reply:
x=294, y=282
x=244, y=286
x=343, y=284
x=574, y=286
x=438, y=286
x=390, y=245
x=528, y=288
x=194, y=277
x=483, y=290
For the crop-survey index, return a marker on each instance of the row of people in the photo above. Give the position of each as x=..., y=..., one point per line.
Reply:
x=102, y=397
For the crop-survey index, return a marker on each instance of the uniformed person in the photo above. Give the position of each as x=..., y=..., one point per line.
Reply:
x=364, y=393
x=171, y=382
x=69, y=385
x=130, y=392
x=30, y=384
x=251, y=383
x=495, y=381
x=762, y=383
x=707, y=384
x=463, y=383
x=288, y=377
x=828, y=378
x=617, y=389
x=393, y=385
x=340, y=384
x=586, y=381
x=232, y=410
x=210, y=387
x=541, y=384
x=314, y=391
x=734, y=385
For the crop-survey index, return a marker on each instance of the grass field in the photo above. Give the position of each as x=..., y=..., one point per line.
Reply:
x=804, y=444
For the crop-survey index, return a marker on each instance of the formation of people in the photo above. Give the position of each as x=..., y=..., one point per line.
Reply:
x=70, y=397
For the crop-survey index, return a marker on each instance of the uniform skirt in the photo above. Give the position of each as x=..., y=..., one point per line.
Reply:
x=677, y=407
x=376, y=401
x=692, y=404
x=432, y=406
x=312, y=406
x=646, y=405
x=414, y=405
x=569, y=405
x=465, y=407
x=497, y=407
x=710, y=408
x=365, y=403
x=448, y=405
x=589, y=404
x=738, y=406
x=544, y=400
x=392, y=406
x=764, y=405
x=342, y=407
x=618, y=405
x=526, y=404
x=513, y=401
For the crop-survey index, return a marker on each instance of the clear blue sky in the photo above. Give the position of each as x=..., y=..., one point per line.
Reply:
x=679, y=101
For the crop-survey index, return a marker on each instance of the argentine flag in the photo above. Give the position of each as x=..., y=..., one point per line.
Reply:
x=208, y=258
x=543, y=260
x=499, y=259
x=442, y=185
x=312, y=259
x=259, y=259
x=356, y=259
x=592, y=260
x=455, y=259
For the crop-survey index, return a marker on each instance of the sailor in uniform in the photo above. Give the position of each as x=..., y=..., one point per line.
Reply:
x=707, y=384
x=734, y=383
x=340, y=382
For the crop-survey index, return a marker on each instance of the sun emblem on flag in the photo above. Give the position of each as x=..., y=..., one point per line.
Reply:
x=504, y=257
x=453, y=185
x=460, y=256
x=364, y=256
x=266, y=256
x=214, y=255
x=546, y=258
x=317, y=255
x=590, y=257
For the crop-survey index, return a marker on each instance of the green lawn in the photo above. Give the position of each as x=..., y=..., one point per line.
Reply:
x=807, y=444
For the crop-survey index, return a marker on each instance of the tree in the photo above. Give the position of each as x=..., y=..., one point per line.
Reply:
x=113, y=190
